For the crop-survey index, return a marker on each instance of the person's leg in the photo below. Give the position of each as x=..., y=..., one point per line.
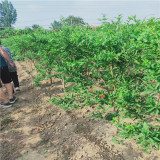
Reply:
x=12, y=80
x=14, y=77
x=9, y=89
x=6, y=79
x=3, y=96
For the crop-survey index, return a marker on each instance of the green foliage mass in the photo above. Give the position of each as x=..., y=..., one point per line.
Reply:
x=123, y=60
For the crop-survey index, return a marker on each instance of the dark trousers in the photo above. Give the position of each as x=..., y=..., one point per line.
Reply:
x=14, y=77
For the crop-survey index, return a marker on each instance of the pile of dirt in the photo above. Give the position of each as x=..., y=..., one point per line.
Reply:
x=34, y=129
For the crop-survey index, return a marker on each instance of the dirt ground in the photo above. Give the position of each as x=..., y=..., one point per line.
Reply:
x=34, y=129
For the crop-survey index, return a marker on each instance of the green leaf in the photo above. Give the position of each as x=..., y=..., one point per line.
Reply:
x=157, y=139
x=157, y=85
x=146, y=92
x=149, y=110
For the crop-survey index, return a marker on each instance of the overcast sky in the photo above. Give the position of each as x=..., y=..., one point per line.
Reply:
x=45, y=12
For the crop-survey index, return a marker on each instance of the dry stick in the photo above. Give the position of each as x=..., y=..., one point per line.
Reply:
x=111, y=67
x=63, y=83
x=50, y=78
x=157, y=99
x=51, y=81
x=87, y=72
x=98, y=75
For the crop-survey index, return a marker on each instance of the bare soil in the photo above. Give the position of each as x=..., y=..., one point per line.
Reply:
x=34, y=129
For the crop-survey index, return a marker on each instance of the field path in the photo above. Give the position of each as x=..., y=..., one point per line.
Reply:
x=34, y=129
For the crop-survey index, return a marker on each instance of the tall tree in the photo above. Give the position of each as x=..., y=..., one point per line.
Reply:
x=70, y=20
x=56, y=25
x=74, y=21
x=8, y=14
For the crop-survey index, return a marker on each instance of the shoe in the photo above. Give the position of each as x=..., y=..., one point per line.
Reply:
x=17, y=89
x=6, y=104
x=13, y=99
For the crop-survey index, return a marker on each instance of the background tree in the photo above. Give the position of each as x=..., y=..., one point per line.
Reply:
x=8, y=14
x=56, y=25
x=36, y=26
x=72, y=20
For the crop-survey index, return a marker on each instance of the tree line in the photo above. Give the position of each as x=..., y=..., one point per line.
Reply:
x=8, y=17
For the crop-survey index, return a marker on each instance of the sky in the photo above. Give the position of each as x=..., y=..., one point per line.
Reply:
x=44, y=12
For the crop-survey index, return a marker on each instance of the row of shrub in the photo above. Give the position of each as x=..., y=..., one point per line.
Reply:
x=121, y=59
